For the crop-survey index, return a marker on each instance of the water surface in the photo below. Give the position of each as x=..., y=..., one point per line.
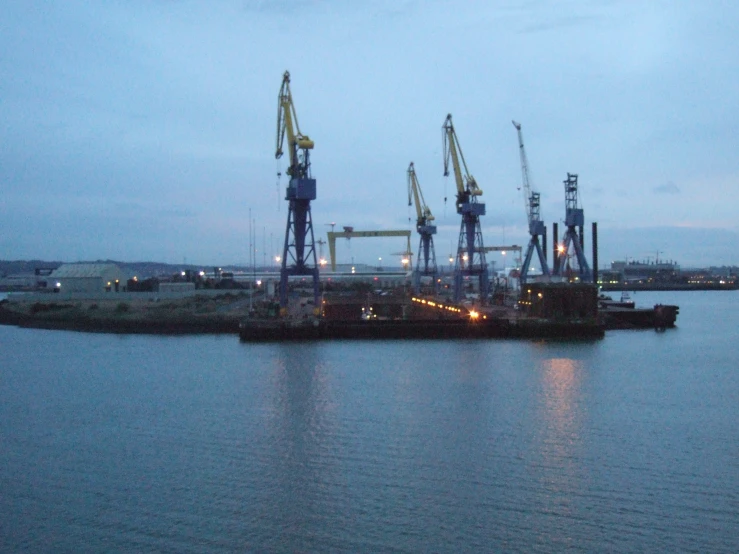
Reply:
x=206, y=444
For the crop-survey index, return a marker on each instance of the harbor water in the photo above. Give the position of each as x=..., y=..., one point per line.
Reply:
x=205, y=444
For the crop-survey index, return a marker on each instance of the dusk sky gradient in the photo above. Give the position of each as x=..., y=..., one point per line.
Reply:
x=145, y=130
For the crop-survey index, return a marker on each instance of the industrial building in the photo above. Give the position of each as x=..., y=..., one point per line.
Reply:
x=91, y=278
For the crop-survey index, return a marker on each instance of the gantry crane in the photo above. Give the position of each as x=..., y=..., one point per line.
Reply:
x=299, y=253
x=470, y=232
x=350, y=233
x=574, y=220
x=425, y=229
x=536, y=226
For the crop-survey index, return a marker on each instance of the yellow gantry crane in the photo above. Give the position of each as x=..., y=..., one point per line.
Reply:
x=299, y=253
x=470, y=242
x=350, y=233
x=426, y=230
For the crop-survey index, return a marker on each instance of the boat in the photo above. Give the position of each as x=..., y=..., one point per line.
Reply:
x=605, y=301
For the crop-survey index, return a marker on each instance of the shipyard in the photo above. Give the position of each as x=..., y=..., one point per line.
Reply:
x=405, y=277
x=308, y=298
x=562, y=301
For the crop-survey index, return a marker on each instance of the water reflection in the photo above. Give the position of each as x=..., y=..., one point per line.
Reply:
x=557, y=452
x=561, y=389
x=303, y=458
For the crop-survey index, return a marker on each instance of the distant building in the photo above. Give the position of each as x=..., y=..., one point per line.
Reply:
x=643, y=272
x=94, y=278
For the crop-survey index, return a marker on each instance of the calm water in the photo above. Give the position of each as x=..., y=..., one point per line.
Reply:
x=203, y=444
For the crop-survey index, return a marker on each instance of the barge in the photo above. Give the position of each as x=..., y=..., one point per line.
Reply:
x=261, y=330
x=660, y=317
x=552, y=313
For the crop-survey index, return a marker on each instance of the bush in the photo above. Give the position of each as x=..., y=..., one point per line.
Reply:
x=122, y=308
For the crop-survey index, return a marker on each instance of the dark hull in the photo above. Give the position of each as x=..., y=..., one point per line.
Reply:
x=275, y=330
x=659, y=317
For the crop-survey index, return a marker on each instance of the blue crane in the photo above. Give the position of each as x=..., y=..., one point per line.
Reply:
x=574, y=220
x=470, y=259
x=426, y=230
x=536, y=226
x=299, y=253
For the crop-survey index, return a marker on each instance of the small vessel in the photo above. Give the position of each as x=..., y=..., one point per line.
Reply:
x=606, y=301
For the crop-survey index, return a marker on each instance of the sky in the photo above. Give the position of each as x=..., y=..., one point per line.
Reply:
x=146, y=130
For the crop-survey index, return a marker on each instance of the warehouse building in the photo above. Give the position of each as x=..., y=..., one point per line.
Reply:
x=95, y=278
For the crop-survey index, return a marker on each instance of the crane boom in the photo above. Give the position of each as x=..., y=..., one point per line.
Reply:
x=415, y=195
x=286, y=117
x=466, y=186
x=525, y=175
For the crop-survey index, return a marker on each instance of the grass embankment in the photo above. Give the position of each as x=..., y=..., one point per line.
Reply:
x=195, y=314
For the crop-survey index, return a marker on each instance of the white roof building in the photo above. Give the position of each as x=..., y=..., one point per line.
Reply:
x=104, y=277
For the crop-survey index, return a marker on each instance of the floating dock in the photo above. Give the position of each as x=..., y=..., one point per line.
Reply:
x=544, y=311
x=259, y=330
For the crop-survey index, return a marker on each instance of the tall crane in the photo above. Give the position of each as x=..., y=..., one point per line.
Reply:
x=470, y=233
x=574, y=220
x=536, y=225
x=299, y=253
x=425, y=229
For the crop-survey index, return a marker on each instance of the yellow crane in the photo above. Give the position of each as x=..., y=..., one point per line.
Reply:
x=425, y=229
x=287, y=125
x=299, y=252
x=470, y=242
x=350, y=233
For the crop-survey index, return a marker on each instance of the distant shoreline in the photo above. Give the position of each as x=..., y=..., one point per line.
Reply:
x=665, y=287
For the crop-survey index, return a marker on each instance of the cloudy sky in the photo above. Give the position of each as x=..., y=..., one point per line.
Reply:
x=145, y=130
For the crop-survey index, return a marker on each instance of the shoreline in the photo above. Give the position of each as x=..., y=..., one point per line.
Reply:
x=172, y=318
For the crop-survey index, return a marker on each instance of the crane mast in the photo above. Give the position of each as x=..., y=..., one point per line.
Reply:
x=299, y=253
x=425, y=229
x=470, y=259
x=536, y=226
x=573, y=238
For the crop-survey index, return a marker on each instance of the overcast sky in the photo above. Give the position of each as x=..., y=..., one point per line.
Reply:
x=145, y=130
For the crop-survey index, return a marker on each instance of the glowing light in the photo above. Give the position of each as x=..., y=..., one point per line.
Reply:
x=277, y=259
x=561, y=248
x=474, y=314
